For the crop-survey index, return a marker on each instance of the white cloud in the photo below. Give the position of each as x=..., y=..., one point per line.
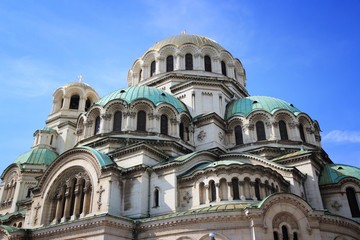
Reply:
x=342, y=136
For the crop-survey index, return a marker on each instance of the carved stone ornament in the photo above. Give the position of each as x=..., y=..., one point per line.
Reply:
x=336, y=205
x=292, y=124
x=129, y=114
x=187, y=197
x=106, y=116
x=37, y=207
x=201, y=136
x=221, y=136
x=100, y=192
x=88, y=123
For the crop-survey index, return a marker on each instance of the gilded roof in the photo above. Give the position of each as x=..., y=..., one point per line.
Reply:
x=334, y=173
x=37, y=156
x=182, y=39
x=154, y=95
x=245, y=106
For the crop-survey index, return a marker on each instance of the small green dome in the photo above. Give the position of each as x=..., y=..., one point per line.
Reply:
x=334, y=173
x=154, y=95
x=245, y=106
x=37, y=156
x=182, y=39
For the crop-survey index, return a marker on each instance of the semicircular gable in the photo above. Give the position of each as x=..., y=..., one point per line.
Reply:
x=82, y=157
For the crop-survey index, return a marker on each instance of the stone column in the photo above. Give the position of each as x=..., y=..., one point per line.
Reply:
x=230, y=191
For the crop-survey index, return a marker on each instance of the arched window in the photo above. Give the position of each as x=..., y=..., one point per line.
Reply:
x=260, y=131
x=257, y=189
x=169, y=63
x=207, y=63
x=140, y=75
x=235, y=188
x=70, y=199
x=202, y=193
x=51, y=139
x=97, y=125
x=188, y=62
x=74, y=102
x=285, y=234
x=353, y=204
x=117, y=121
x=238, y=135
x=164, y=124
x=283, y=130
x=212, y=190
x=223, y=68
x=152, y=68
x=87, y=104
x=181, y=131
x=156, y=197
x=141, y=121
x=302, y=133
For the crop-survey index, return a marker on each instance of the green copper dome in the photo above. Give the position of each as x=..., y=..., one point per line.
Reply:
x=37, y=157
x=154, y=95
x=245, y=106
x=334, y=173
x=182, y=39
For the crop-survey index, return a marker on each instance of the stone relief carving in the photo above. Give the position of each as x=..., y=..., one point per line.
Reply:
x=201, y=136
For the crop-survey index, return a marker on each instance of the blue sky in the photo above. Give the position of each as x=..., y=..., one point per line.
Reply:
x=304, y=52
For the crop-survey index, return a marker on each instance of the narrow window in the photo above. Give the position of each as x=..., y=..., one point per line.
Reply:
x=353, y=204
x=276, y=237
x=74, y=102
x=238, y=135
x=212, y=191
x=302, y=133
x=188, y=62
x=223, y=68
x=164, y=124
x=97, y=125
x=152, y=68
x=235, y=188
x=235, y=75
x=141, y=121
x=117, y=121
x=72, y=198
x=257, y=189
x=181, y=131
x=285, y=235
x=202, y=193
x=87, y=104
x=207, y=63
x=156, y=197
x=283, y=130
x=169, y=63
x=295, y=236
x=260, y=131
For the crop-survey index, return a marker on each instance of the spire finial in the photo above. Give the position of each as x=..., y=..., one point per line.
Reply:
x=183, y=32
x=80, y=78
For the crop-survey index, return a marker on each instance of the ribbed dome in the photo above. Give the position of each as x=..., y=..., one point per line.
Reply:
x=245, y=106
x=182, y=39
x=37, y=157
x=154, y=95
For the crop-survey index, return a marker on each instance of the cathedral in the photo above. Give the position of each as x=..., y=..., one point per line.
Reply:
x=183, y=153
